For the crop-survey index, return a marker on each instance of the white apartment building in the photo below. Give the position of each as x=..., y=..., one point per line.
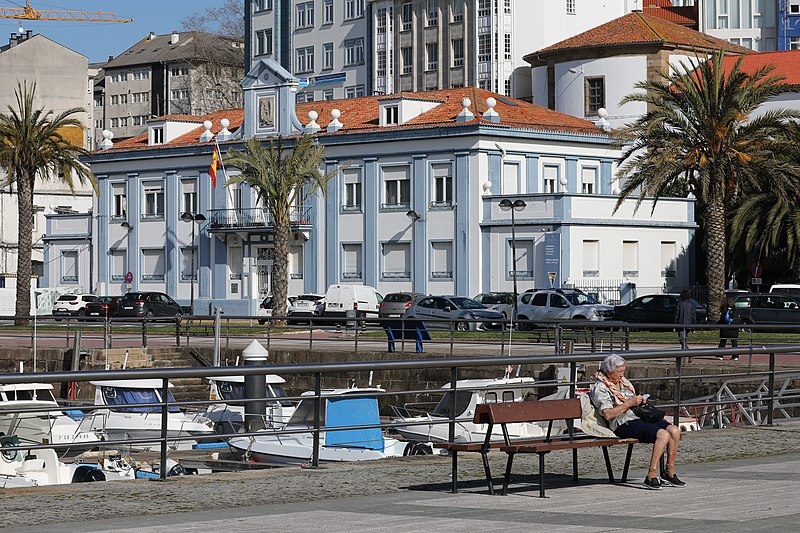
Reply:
x=749, y=23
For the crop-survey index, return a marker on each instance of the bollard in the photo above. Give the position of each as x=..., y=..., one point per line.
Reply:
x=255, y=388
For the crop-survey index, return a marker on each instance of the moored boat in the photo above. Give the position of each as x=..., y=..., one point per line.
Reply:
x=228, y=415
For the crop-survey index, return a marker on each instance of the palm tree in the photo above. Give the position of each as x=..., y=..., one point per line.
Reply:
x=700, y=127
x=33, y=147
x=282, y=179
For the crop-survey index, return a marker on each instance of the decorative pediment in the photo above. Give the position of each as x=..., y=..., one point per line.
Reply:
x=269, y=101
x=268, y=73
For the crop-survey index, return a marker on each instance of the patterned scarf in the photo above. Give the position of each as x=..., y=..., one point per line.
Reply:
x=615, y=389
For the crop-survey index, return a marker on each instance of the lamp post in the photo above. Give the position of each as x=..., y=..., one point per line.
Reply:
x=196, y=218
x=517, y=205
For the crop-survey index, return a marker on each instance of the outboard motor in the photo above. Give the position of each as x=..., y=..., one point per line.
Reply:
x=86, y=474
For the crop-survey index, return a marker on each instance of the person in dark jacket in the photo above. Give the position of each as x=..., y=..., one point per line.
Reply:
x=727, y=315
x=685, y=313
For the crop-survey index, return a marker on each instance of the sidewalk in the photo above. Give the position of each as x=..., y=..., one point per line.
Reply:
x=736, y=482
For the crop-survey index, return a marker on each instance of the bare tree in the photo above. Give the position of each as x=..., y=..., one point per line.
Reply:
x=226, y=19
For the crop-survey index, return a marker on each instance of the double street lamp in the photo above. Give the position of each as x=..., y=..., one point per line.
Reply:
x=517, y=205
x=193, y=218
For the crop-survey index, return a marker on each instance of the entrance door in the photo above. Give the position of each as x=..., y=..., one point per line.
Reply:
x=264, y=259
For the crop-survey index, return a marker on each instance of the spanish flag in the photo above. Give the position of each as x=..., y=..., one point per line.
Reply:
x=215, y=165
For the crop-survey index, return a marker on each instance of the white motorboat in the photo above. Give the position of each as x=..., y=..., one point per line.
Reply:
x=33, y=468
x=341, y=408
x=434, y=426
x=42, y=427
x=229, y=417
x=121, y=416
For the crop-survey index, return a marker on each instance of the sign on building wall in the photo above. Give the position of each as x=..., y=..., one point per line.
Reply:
x=552, y=258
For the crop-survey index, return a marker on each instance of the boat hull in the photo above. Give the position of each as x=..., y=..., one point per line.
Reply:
x=293, y=451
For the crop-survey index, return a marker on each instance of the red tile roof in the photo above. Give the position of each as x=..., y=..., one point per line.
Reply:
x=174, y=118
x=638, y=28
x=361, y=115
x=663, y=9
x=786, y=63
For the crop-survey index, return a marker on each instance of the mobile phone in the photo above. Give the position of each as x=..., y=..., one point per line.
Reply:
x=645, y=396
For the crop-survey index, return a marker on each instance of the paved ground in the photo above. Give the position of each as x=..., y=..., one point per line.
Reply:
x=738, y=480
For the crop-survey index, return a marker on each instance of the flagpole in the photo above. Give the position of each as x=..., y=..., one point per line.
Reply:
x=222, y=164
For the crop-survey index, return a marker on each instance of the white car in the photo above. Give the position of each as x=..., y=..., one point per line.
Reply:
x=561, y=304
x=307, y=306
x=72, y=304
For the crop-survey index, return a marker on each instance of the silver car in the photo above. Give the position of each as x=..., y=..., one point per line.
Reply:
x=500, y=301
x=561, y=304
x=306, y=306
x=456, y=312
x=394, y=304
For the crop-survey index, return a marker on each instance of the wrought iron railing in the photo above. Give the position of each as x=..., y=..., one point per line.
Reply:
x=253, y=217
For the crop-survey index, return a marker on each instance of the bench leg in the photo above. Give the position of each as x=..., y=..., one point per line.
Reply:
x=488, y=471
x=454, y=472
x=507, y=477
x=608, y=464
x=541, y=475
x=575, y=464
x=627, y=463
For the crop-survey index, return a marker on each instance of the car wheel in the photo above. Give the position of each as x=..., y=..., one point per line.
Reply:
x=462, y=326
x=523, y=324
x=261, y=322
x=81, y=312
x=149, y=313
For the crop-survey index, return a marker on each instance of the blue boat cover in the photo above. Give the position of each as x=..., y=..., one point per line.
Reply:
x=343, y=412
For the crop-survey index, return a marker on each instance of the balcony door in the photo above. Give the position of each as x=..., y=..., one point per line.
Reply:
x=265, y=256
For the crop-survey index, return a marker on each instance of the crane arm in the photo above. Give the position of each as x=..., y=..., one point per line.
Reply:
x=28, y=13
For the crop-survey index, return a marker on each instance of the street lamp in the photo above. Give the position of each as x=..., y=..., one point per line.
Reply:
x=197, y=218
x=517, y=205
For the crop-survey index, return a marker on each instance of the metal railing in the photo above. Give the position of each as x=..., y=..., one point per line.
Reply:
x=253, y=217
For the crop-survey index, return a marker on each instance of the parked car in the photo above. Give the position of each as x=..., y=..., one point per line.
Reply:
x=306, y=306
x=394, y=304
x=265, y=308
x=72, y=304
x=104, y=306
x=500, y=301
x=766, y=309
x=789, y=289
x=457, y=312
x=655, y=309
x=148, y=304
x=561, y=304
x=361, y=301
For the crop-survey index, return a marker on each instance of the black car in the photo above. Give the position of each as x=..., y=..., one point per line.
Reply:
x=148, y=304
x=655, y=309
x=105, y=306
x=775, y=309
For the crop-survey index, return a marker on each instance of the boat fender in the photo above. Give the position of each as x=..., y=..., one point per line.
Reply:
x=86, y=474
x=417, y=448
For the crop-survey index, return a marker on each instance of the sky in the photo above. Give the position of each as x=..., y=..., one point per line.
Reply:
x=97, y=41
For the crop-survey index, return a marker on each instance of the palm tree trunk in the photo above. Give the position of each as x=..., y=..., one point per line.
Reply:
x=280, y=275
x=24, y=246
x=715, y=254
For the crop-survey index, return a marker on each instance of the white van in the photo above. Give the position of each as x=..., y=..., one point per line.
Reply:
x=352, y=301
x=789, y=289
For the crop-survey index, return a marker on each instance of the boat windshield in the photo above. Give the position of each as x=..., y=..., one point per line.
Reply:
x=462, y=402
x=42, y=395
x=235, y=391
x=124, y=400
x=304, y=415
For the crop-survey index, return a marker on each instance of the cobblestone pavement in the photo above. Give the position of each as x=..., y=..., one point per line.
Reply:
x=73, y=506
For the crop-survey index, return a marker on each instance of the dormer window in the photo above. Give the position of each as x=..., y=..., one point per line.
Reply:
x=392, y=115
x=157, y=135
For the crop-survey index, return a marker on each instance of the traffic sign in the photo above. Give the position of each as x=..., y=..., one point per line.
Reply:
x=757, y=270
x=755, y=281
x=129, y=277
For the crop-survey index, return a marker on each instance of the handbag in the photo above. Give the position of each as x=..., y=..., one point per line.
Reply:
x=649, y=413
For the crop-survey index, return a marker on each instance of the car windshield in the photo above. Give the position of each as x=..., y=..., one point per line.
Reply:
x=67, y=298
x=579, y=298
x=397, y=297
x=135, y=296
x=494, y=298
x=467, y=303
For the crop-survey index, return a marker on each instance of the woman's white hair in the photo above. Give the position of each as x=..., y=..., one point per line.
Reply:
x=610, y=363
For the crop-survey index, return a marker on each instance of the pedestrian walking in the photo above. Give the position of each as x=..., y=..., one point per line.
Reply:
x=727, y=316
x=685, y=313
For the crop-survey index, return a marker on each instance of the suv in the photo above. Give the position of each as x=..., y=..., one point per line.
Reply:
x=306, y=306
x=148, y=304
x=72, y=304
x=561, y=304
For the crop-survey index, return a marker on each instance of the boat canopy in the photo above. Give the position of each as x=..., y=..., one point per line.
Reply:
x=125, y=399
x=344, y=412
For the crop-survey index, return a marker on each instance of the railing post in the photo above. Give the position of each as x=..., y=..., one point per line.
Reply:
x=144, y=332
x=451, y=430
x=771, y=401
x=677, y=395
x=573, y=378
x=164, y=413
x=227, y=333
x=594, y=338
x=317, y=418
x=558, y=338
x=67, y=339
x=355, y=341
x=178, y=331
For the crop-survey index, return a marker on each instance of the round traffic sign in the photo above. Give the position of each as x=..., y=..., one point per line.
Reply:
x=129, y=277
x=756, y=269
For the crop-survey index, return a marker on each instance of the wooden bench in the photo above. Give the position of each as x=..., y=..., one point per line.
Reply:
x=537, y=411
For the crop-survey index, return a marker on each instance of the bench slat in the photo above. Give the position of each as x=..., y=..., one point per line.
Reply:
x=564, y=445
x=535, y=411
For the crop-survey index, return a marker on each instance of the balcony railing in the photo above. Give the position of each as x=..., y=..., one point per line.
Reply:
x=253, y=217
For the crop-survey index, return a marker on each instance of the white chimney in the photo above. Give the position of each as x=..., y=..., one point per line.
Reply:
x=174, y=38
x=151, y=36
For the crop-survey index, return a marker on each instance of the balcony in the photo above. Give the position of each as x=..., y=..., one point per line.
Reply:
x=253, y=218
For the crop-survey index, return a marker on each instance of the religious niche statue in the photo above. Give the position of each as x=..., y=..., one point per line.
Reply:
x=266, y=112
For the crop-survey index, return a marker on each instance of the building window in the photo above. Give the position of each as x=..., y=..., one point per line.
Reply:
x=507, y=46
x=98, y=101
x=408, y=59
x=119, y=208
x=115, y=123
x=119, y=77
x=524, y=267
x=351, y=261
x=188, y=270
x=591, y=259
x=327, y=12
x=179, y=71
x=794, y=43
x=594, y=94
x=189, y=196
x=380, y=62
x=484, y=48
x=396, y=188
x=264, y=42
x=153, y=264
x=327, y=94
x=354, y=91
x=305, y=15
x=123, y=122
x=295, y=262
x=139, y=98
x=327, y=56
x=391, y=114
x=432, y=13
x=407, y=15
x=353, y=9
x=305, y=59
x=118, y=265
x=588, y=180
x=442, y=260
x=507, y=7
x=668, y=259
x=98, y=124
x=507, y=87
x=458, y=10
x=354, y=52
x=153, y=201
x=458, y=52
x=352, y=189
x=142, y=74
x=630, y=259
x=484, y=7
x=180, y=94
x=380, y=21
x=118, y=99
x=442, y=185
x=396, y=257
x=432, y=54
x=262, y=5
x=158, y=135
x=69, y=266
x=570, y=7
x=550, y=178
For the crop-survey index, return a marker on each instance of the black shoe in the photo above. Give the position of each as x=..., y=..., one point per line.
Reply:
x=652, y=483
x=672, y=481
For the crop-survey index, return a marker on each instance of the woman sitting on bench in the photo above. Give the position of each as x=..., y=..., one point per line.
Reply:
x=615, y=397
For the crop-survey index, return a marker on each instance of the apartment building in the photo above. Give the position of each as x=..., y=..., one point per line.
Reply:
x=749, y=23
x=189, y=73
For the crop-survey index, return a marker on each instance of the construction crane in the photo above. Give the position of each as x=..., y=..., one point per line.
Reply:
x=28, y=13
